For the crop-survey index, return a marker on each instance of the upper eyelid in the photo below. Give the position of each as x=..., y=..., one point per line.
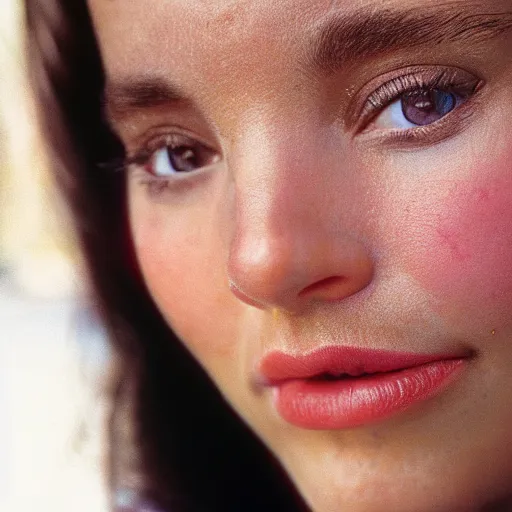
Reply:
x=143, y=156
x=368, y=103
x=137, y=133
x=375, y=102
x=160, y=137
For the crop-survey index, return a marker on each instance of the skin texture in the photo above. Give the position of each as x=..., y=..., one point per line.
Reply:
x=309, y=228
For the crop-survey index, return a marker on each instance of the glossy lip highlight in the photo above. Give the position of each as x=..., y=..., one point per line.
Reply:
x=347, y=387
x=278, y=366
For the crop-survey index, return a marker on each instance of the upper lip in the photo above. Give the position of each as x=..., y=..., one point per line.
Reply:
x=278, y=367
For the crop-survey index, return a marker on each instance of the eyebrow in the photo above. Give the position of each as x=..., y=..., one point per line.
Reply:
x=124, y=95
x=339, y=40
x=365, y=34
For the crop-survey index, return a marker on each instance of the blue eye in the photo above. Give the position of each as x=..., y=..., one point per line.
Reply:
x=427, y=107
x=418, y=108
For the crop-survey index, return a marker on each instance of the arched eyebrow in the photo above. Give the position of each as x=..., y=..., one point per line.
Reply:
x=364, y=34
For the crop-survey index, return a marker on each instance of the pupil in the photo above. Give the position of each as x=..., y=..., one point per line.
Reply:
x=182, y=158
x=427, y=107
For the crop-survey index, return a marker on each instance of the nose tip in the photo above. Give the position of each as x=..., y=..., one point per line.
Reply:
x=260, y=274
x=299, y=229
x=289, y=278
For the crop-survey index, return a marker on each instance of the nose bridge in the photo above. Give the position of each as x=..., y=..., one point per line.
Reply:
x=292, y=235
x=278, y=182
x=280, y=170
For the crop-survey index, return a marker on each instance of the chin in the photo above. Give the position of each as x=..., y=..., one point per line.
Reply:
x=403, y=495
x=377, y=472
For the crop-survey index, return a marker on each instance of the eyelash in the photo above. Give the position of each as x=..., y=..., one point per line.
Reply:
x=454, y=80
x=139, y=161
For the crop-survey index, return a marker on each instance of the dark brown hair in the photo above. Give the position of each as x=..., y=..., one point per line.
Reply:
x=192, y=451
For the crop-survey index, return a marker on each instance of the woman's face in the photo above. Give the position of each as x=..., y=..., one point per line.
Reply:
x=321, y=188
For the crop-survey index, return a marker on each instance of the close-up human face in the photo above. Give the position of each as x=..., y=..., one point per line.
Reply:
x=320, y=197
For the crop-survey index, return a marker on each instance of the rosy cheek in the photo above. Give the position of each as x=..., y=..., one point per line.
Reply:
x=465, y=257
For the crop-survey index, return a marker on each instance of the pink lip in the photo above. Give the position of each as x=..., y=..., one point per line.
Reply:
x=375, y=384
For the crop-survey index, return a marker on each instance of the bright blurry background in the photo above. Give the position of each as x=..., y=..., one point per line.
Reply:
x=52, y=352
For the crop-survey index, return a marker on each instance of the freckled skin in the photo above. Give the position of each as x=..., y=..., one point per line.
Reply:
x=474, y=235
x=463, y=257
x=331, y=239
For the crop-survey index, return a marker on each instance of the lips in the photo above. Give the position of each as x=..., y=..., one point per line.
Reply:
x=346, y=387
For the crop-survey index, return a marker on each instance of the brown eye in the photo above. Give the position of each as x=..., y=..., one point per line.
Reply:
x=426, y=107
x=183, y=158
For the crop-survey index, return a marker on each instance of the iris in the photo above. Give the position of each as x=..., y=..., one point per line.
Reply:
x=426, y=107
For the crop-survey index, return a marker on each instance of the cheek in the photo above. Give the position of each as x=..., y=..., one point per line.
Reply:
x=179, y=259
x=465, y=258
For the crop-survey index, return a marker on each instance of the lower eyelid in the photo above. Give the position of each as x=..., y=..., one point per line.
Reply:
x=422, y=136
x=445, y=128
x=168, y=188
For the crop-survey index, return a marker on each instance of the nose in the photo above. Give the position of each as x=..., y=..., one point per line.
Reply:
x=299, y=229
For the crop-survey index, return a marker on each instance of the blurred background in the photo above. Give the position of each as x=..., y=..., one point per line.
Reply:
x=53, y=356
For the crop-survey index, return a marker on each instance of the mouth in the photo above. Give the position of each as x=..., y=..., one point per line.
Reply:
x=348, y=387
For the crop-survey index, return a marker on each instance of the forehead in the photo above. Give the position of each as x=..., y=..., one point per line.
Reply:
x=159, y=33
x=214, y=51
x=164, y=29
x=161, y=29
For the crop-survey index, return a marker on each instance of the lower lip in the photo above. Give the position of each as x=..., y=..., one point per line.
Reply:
x=356, y=401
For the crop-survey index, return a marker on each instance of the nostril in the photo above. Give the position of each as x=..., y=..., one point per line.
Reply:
x=324, y=286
